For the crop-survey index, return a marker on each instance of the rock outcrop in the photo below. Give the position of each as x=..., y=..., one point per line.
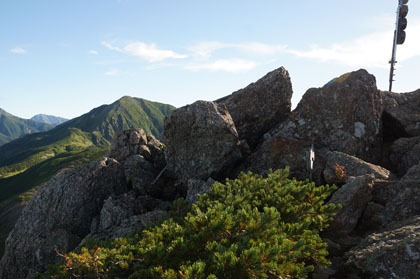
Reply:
x=201, y=141
x=392, y=253
x=260, y=106
x=403, y=110
x=344, y=115
x=405, y=153
x=352, y=167
x=59, y=217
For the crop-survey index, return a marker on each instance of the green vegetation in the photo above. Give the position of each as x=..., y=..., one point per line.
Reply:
x=250, y=227
x=12, y=127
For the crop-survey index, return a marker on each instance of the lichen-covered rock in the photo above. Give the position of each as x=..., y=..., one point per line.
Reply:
x=59, y=216
x=405, y=153
x=404, y=110
x=353, y=196
x=278, y=152
x=344, y=115
x=392, y=253
x=260, y=106
x=413, y=174
x=201, y=141
x=198, y=187
x=352, y=166
x=136, y=142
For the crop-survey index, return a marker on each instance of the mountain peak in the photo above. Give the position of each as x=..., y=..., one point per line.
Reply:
x=49, y=119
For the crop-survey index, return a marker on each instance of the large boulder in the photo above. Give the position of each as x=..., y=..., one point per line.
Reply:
x=59, y=217
x=404, y=111
x=353, y=196
x=392, y=253
x=278, y=152
x=201, y=141
x=405, y=153
x=260, y=106
x=352, y=166
x=344, y=115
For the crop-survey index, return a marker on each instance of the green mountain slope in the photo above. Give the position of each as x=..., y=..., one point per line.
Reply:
x=49, y=119
x=12, y=127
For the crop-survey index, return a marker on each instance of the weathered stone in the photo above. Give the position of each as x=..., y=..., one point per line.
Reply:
x=198, y=187
x=135, y=142
x=372, y=218
x=139, y=173
x=405, y=153
x=278, y=152
x=201, y=141
x=260, y=106
x=59, y=216
x=404, y=110
x=353, y=196
x=344, y=115
x=405, y=204
x=352, y=166
x=413, y=174
x=393, y=253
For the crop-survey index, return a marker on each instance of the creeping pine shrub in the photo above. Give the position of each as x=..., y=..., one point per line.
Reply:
x=250, y=227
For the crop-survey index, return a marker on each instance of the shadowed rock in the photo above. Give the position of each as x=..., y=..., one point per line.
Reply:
x=260, y=106
x=201, y=141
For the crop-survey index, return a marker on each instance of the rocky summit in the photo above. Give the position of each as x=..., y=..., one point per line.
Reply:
x=365, y=141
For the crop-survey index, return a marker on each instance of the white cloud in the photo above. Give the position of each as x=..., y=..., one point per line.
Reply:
x=18, y=50
x=112, y=72
x=94, y=52
x=206, y=49
x=373, y=50
x=226, y=65
x=148, y=52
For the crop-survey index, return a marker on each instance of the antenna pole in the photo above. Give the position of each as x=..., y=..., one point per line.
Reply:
x=394, y=48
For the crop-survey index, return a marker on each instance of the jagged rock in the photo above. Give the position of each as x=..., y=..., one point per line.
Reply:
x=201, y=141
x=404, y=111
x=59, y=216
x=198, y=187
x=372, y=218
x=260, y=106
x=352, y=166
x=344, y=115
x=278, y=152
x=405, y=153
x=413, y=174
x=136, y=142
x=353, y=196
x=405, y=204
x=393, y=253
x=139, y=173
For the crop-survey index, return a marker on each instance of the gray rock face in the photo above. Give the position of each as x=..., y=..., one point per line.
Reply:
x=278, y=152
x=261, y=105
x=405, y=153
x=405, y=109
x=198, y=187
x=136, y=142
x=59, y=216
x=201, y=140
x=344, y=115
x=393, y=253
x=353, y=196
x=413, y=174
x=352, y=166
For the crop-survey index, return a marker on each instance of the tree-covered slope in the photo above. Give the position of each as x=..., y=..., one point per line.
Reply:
x=12, y=127
x=49, y=119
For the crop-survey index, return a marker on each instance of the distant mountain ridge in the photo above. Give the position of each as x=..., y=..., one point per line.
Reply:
x=13, y=127
x=85, y=134
x=49, y=119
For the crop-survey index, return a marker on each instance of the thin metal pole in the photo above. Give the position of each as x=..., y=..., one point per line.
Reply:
x=394, y=48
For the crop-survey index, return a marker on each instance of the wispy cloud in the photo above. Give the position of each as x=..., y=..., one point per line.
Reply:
x=94, y=52
x=226, y=65
x=112, y=72
x=148, y=52
x=18, y=50
x=373, y=50
x=207, y=48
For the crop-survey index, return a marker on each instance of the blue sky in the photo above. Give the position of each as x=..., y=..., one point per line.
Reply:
x=65, y=57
